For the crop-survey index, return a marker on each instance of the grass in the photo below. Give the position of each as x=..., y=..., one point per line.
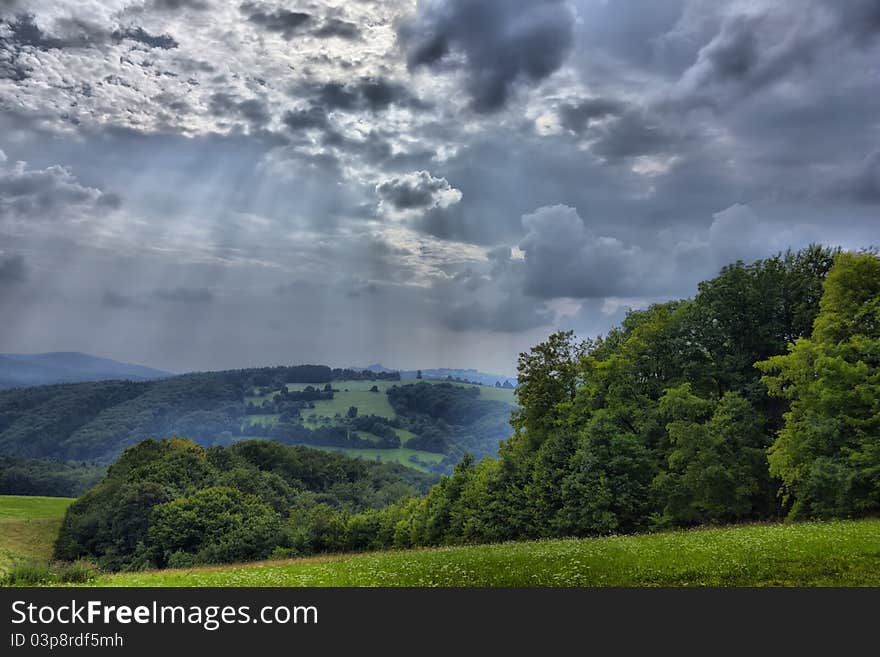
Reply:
x=399, y=455
x=367, y=403
x=486, y=392
x=264, y=419
x=843, y=553
x=357, y=393
x=28, y=527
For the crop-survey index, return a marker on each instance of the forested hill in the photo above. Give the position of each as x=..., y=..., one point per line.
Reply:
x=22, y=370
x=308, y=404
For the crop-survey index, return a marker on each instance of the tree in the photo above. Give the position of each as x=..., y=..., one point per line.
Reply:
x=548, y=375
x=716, y=470
x=215, y=525
x=828, y=451
x=608, y=487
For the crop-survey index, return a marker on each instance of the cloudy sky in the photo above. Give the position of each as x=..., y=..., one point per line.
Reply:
x=202, y=184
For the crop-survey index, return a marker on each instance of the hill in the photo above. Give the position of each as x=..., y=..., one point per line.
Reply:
x=842, y=553
x=22, y=370
x=313, y=405
x=171, y=502
x=20, y=476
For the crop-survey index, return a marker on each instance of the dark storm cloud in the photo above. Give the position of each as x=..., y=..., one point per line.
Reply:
x=867, y=182
x=335, y=27
x=13, y=270
x=253, y=110
x=576, y=116
x=502, y=42
x=373, y=149
x=115, y=300
x=636, y=133
x=186, y=295
x=565, y=259
x=371, y=93
x=9, y=6
x=692, y=134
x=859, y=18
x=69, y=33
x=140, y=35
x=417, y=190
x=282, y=21
x=512, y=315
x=180, y=4
x=752, y=51
x=303, y=119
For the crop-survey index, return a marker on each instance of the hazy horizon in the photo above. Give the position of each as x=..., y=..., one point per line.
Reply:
x=197, y=185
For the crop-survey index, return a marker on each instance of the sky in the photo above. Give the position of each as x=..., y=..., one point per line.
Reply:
x=207, y=184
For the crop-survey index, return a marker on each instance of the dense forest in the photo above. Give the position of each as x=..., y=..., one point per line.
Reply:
x=20, y=476
x=175, y=503
x=757, y=399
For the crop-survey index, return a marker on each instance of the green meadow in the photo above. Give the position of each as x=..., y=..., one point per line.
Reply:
x=841, y=553
x=28, y=527
x=357, y=393
x=400, y=455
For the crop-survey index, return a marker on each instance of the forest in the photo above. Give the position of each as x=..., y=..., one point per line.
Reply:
x=174, y=503
x=757, y=399
x=96, y=421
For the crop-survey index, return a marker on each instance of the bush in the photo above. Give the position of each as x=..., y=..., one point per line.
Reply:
x=34, y=573
x=215, y=525
x=29, y=574
x=80, y=571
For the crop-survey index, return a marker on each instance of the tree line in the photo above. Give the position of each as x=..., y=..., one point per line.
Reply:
x=757, y=399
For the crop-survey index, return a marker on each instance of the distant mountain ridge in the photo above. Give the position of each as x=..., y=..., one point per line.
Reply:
x=484, y=378
x=23, y=370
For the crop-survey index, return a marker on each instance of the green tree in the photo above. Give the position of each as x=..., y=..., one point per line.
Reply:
x=608, y=488
x=716, y=468
x=548, y=376
x=828, y=451
x=215, y=525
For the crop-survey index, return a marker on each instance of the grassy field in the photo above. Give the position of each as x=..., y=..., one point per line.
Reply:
x=28, y=527
x=845, y=553
x=399, y=455
x=357, y=393
x=486, y=392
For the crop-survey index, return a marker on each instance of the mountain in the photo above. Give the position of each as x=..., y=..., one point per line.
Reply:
x=22, y=370
x=472, y=375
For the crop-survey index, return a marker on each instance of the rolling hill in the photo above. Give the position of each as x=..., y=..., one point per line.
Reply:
x=342, y=410
x=22, y=370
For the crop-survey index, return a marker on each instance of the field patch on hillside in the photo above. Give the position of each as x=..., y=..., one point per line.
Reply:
x=28, y=528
